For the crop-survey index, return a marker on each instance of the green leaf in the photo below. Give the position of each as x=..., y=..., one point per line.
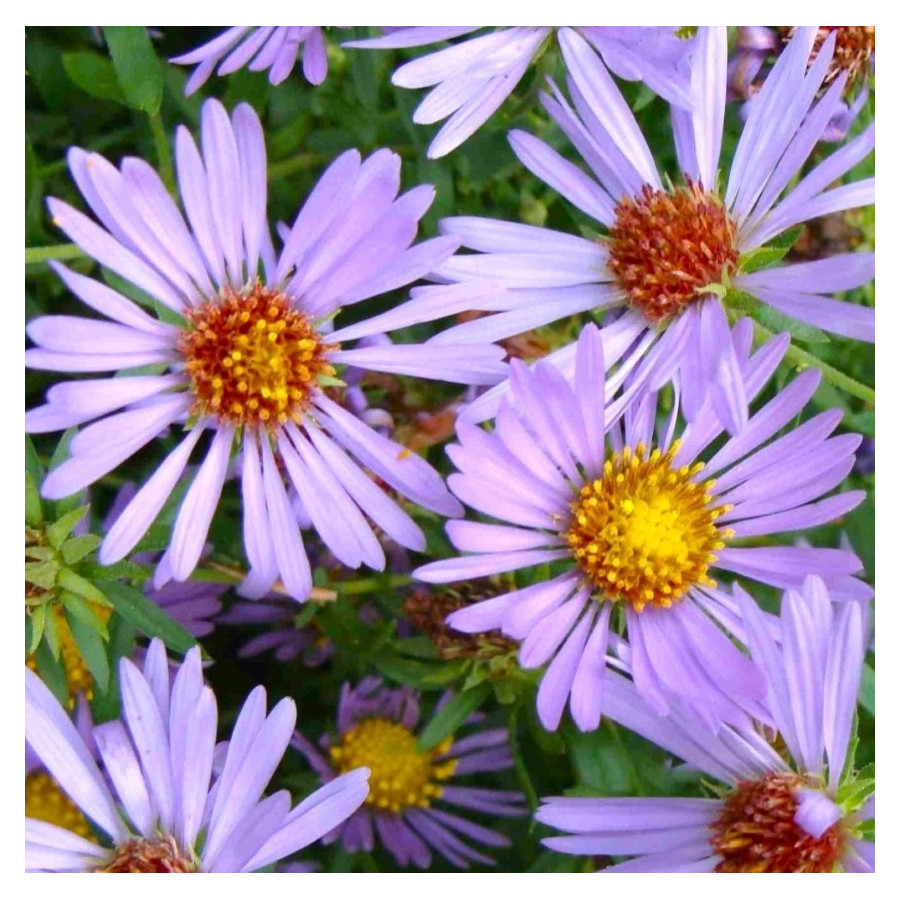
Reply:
x=34, y=515
x=81, y=587
x=761, y=258
x=146, y=616
x=364, y=75
x=51, y=632
x=60, y=454
x=122, y=569
x=42, y=574
x=867, y=689
x=419, y=674
x=38, y=618
x=77, y=548
x=787, y=239
x=62, y=527
x=136, y=66
x=419, y=647
x=30, y=172
x=53, y=674
x=169, y=316
x=452, y=715
x=33, y=462
x=92, y=648
x=78, y=608
x=777, y=321
x=105, y=705
x=94, y=74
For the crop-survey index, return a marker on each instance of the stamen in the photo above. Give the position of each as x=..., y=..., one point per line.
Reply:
x=402, y=775
x=252, y=358
x=159, y=854
x=645, y=532
x=666, y=247
x=757, y=832
x=44, y=800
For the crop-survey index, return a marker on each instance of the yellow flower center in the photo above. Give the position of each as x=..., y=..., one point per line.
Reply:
x=45, y=801
x=78, y=675
x=666, y=247
x=645, y=532
x=756, y=831
x=252, y=358
x=402, y=774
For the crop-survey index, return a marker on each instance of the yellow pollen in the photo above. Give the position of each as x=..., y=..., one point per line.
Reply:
x=45, y=801
x=78, y=675
x=666, y=247
x=644, y=532
x=252, y=358
x=402, y=774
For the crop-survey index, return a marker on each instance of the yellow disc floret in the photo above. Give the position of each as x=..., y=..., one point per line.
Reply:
x=645, y=532
x=252, y=358
x=45, y=801
x=402, y=774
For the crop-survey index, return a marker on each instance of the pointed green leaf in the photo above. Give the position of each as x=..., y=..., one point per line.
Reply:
x=53, y=674
x=78, y=608
x=136, y=66
x=777, y=321
x=38, y=617
x=94, y=74
x=73, y=582
x=106, y=705
x=122, y=569
x=51, y=632
x=60, y=454
x=92, y=648
x=62, y=527
x=33, y=462
x=77, y=548
x=867, y=689
x=34, y=515
x=141, y=612
x=452, y=715
x=42, y=574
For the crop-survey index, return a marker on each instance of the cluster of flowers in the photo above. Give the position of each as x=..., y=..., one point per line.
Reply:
x=621, y=472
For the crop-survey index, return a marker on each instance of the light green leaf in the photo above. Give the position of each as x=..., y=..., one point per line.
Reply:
x=452, y=715
x=62, y=527
x=34, y=516
x=81, y=587
x=136, y=66
x=77, y=548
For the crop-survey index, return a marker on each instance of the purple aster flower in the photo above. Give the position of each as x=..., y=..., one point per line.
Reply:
x=472, y=78
x=706, y=245
x=259, y=49
x=797, y=807
x=854, y=53
x=244, y=356
x=409, y=785
x=166, y=812
x=635, y=521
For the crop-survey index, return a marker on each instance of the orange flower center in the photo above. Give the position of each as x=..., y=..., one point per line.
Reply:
x=159, y=854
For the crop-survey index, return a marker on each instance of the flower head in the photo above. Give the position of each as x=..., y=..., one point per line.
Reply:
x=166, y=811
x=472, y=78
x=801, y=809
x=673, y=256
x=247, y=351
x=635, y=523
x=260, y=49
x=410, y=784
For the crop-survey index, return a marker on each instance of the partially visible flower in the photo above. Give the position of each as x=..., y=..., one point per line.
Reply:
x=636, y=522
x=675, y=259
x=260, y=49
x=802, y=810
x=854, y=54
x=474, y=77
x=409, y=785
x=247, y=343
x=169, y=813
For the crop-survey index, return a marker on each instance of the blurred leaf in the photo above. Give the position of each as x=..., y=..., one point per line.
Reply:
x=38, y=618
x=136, y=66
x=787, y=239
x=92, y=648
x=94, y=74
x=419, y=647
x=146, y=616
x=34, y=516
x=33, y=462
x=60, y=454
x=867, y=689
x=59, y=530
x=452, y=715
x=30, y=172
x=419, y=674
x=364, y=76
x=52, y=673
x=777, y=321
x=77, y=548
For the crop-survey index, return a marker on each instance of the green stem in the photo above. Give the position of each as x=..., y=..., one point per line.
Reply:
x=804, y=360
x=163, y=151
x=53, y=251
x=365, y=585
x=519, y=766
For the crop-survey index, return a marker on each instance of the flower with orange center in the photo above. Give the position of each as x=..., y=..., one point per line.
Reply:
x=674, y=257
x=784, y=801
x=631, y=519
x=246, y=342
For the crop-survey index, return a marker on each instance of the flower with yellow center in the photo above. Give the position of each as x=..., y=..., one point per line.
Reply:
x=631, y=523
x=402, y=776
x=45, y=801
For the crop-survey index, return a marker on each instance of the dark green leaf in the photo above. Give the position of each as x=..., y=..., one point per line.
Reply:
x=419, y=674
x=60, y=454
x=51, y=632
x=777, y=321
x=52, y=673
x=30, y=172
x=146, y=616
x=419, y=646
x=78, y=608
x=136, y=66
x=33, y=462
x=92, y=648
x=452, y=715
x=34, y=516
x=867, y=689
x=105, y=705
x=365, y=77
x=94, y=74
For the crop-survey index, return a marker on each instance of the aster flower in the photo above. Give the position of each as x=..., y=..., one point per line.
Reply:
x=260, y=49
x=472, y=78
x=167, y=814
x=410, y=785
x=674, y=258
x=854, y=53
x=635, y=523
x=244, y=356
x=795, y=805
